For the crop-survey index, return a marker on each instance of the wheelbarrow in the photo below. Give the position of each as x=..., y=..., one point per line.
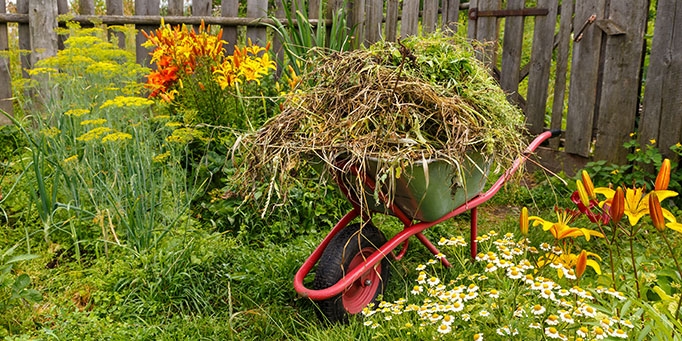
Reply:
x=353, y=266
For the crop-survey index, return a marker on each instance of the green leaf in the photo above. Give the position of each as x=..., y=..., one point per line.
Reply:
x=21, y=282
x=21, y=258
x=32, y=295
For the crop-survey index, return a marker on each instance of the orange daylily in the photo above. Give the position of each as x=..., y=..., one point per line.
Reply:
x=524, y=221
x=656, y=212
x=617, y=208
x=636, y=202
x=572, y=261
x=581, y=264
x=663, y=178
x=589, y=185
x=560, y=228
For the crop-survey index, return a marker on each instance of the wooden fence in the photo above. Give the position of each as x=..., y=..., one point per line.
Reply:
x=580, y=70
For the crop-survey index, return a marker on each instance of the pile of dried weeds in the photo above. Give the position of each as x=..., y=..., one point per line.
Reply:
x=418, y=99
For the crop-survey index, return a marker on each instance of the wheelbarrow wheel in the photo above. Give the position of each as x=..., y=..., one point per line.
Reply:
x=348, y=249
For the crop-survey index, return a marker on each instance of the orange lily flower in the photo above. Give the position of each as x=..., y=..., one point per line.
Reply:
x=581, y=264
x=560, y=228
x=656, y=212
x=589, y=185
x=524, y=221
x=636, y=202
x=663, y=178
x=617, y=208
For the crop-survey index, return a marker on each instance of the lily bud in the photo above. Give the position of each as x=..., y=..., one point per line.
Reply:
x=524, y=221
x=581, y=264
x=589, y=185
x=656, y=212
x=663, y=178
x=582, y=193
x=617, y=208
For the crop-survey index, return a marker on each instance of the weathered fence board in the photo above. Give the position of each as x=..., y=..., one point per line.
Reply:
x=662, y=115
x=512, y=47
x=619, y=101
x=87, y=7
x=257, y=9
x=563, y=49
x=584, y=78
x=450, y=14
x=176, y=7
x=24, y=33
x=5, y=77
x=115, y=7
x=410, y=18
x=430, y=15
x=540, y=63
x=230, y=9
x=201, y=7
x=486, y=30
x=391, y=19
x=148, y=7
x=375, y=18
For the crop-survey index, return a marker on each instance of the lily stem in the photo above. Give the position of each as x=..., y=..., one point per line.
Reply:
x=672, y=254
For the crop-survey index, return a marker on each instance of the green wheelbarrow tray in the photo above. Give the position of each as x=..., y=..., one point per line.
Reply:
x=426, y=190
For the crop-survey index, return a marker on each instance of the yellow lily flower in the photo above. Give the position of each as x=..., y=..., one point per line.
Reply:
x=636, y=202
x=571, y=261
x=561, y=230
x=524, y=221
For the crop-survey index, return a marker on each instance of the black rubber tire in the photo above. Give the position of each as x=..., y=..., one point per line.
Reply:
x=337, y=256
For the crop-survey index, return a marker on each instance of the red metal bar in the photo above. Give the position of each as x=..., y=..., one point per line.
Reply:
x=422, y=238
x=402, y=236
x=474, y=232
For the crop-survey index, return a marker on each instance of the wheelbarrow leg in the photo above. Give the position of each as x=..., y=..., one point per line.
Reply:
x=432, y=248
x=474, y=232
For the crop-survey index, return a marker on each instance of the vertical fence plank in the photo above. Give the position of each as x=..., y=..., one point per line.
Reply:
x=5, y=76
x=375, y=18
x=450, y=15
x=115, y=7
x=176, y=7
x=487, y=32
x=512, y=46
x=391, y=20
x=201, y=7
x=430, y=15
x=42, y=17
x=144, y=7
x=87, y=7
x=230, y=9
x=540, y=62
x=584, y=79
x=356, y=20
x=619, y=103
x=257, y=9
x=471, y=23
x=24, y=39
x=410, y=18
x=565, y=29
x=660, y=119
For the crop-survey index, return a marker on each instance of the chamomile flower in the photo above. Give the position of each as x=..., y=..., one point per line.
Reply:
x=490, y=267
x=440, y=255
x=448, y=319
x=599, y=333
x=467, y=317
x=582, y=331
x=567, y=318
x=535, y=325
x=431, y=262
x=433, y=281
x=421, y=267
x=538, y=309
x=552, y=320
x=417, y=289
x=457, y=306
x=552, y=332
x=484, y=313
x=493, y=293
x=545, y=247
x=514, y=273
x=619, y=333
x=444, y=328
x=472, y=287
x=478, y=337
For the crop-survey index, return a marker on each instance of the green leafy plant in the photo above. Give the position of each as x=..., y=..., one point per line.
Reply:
x=15, y=289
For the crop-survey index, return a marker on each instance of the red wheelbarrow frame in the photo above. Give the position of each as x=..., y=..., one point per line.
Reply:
x=410, y=229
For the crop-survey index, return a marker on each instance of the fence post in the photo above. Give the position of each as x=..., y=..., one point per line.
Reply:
x=230, y=9
x=42, y=18
x=257, y=9
x=5, y=76
x=660, y=119
x=175, y=7
x=144, y=7
x=115, y=7
x=24, y=39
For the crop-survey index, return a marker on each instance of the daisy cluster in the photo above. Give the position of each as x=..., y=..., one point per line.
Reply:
x=505, y=294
